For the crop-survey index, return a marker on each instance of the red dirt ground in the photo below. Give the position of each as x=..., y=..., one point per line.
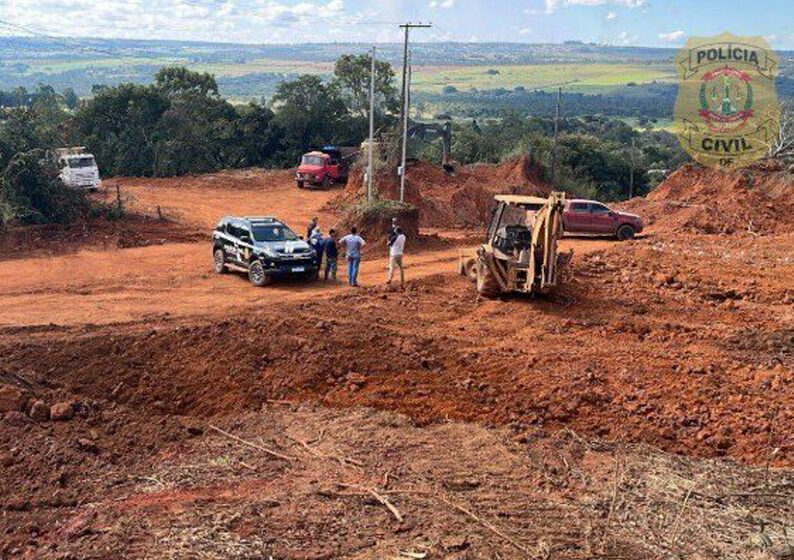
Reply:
x=634, y=413
x=462, y=199
x=756, y=200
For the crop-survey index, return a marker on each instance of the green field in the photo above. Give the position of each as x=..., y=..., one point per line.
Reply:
x=582, y=78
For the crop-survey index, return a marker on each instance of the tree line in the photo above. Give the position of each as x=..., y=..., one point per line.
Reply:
x=180, y=124
x=594, y=152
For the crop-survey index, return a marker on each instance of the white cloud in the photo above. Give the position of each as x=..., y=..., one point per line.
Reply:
x=552, y=5
x=611, y=15
x=442, y=4
x=525, y=31
x=671, y=37
x=249, y=21
x=626, y=38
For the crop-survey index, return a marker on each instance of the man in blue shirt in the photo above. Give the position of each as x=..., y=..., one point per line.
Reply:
x=331, y=255
x=352, y=243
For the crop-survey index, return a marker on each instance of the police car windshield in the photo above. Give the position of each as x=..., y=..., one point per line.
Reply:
x=268, y=233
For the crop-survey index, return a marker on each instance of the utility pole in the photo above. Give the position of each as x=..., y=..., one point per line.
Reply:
x=406, y=94
x=407, y=27
x=370, y=193
x=556, y=135
x=631, y=175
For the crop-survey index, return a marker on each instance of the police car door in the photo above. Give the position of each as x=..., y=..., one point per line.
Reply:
x=245, y=243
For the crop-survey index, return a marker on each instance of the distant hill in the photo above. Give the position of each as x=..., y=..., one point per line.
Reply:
x=486, y=75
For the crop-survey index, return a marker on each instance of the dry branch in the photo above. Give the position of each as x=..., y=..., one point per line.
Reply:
x=372, y=492
x=486, y=524
x=251, y=444
x=317, y=453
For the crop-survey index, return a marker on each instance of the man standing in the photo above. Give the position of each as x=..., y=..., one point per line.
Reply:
x=392, y=232
x=310, y=228
x=353, y=243
x=317, y=243
x=331, y=255
x=396, y=257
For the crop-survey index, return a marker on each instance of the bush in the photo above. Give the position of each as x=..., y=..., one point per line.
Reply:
x=32, y=193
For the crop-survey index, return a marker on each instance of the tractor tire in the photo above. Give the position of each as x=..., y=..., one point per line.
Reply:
x=470, y=270
x=256, y=274
x=624, y=232
x=219, y=262
x=487, y=286
x=326, y=183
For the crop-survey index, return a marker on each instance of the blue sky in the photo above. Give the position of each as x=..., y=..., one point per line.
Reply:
x=616, y=22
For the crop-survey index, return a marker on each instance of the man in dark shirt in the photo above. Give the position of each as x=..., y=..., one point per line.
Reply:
x=331, y=255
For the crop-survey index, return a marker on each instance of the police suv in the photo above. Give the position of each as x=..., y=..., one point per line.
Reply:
x=263, y=247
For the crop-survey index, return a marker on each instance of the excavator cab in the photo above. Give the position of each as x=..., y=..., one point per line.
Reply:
x=520, y=253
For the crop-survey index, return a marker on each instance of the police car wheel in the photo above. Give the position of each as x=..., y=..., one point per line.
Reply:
x=256, y=274
x=219, y=264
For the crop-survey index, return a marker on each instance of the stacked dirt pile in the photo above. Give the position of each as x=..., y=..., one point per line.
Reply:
x=131, y=230
x=374, y=221
x=758, y=199
x=460, y=199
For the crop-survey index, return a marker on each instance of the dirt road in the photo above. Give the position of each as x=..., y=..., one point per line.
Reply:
x=176, y=279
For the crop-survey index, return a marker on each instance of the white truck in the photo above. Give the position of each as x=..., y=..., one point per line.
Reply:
x=78, y=168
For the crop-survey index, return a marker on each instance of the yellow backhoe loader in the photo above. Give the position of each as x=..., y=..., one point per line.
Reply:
x=520, y=253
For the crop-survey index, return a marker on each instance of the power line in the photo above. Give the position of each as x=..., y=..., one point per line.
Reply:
x=69, y=42
x=407, y=27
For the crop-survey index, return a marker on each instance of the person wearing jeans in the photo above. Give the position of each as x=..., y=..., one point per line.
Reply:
x=331, y=254
x=352, y=243
x=396, y=248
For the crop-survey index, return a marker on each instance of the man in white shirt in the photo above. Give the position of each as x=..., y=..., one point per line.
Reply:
x=396, y=257
x=352, y=243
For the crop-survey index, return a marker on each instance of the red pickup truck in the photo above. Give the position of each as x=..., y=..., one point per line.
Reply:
x=589, y=216
x=321, y=169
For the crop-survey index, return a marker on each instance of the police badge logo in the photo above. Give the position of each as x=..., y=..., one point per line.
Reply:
x=726, y=112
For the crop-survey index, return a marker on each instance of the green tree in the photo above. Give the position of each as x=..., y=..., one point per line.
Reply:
x=259, y=137
x=196, y=135
x=118, y=126
x=310, y=113
x=70, y=99
x=176, y=81
x=32, y=193
x=352, y=76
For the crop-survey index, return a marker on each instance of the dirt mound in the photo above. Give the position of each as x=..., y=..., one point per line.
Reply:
x=758, y=199
x=695, y=363
x=374, y=221
x=460, y=199
x=133, y=230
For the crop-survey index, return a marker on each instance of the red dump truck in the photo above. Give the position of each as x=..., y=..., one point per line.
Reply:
x=322, y=168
